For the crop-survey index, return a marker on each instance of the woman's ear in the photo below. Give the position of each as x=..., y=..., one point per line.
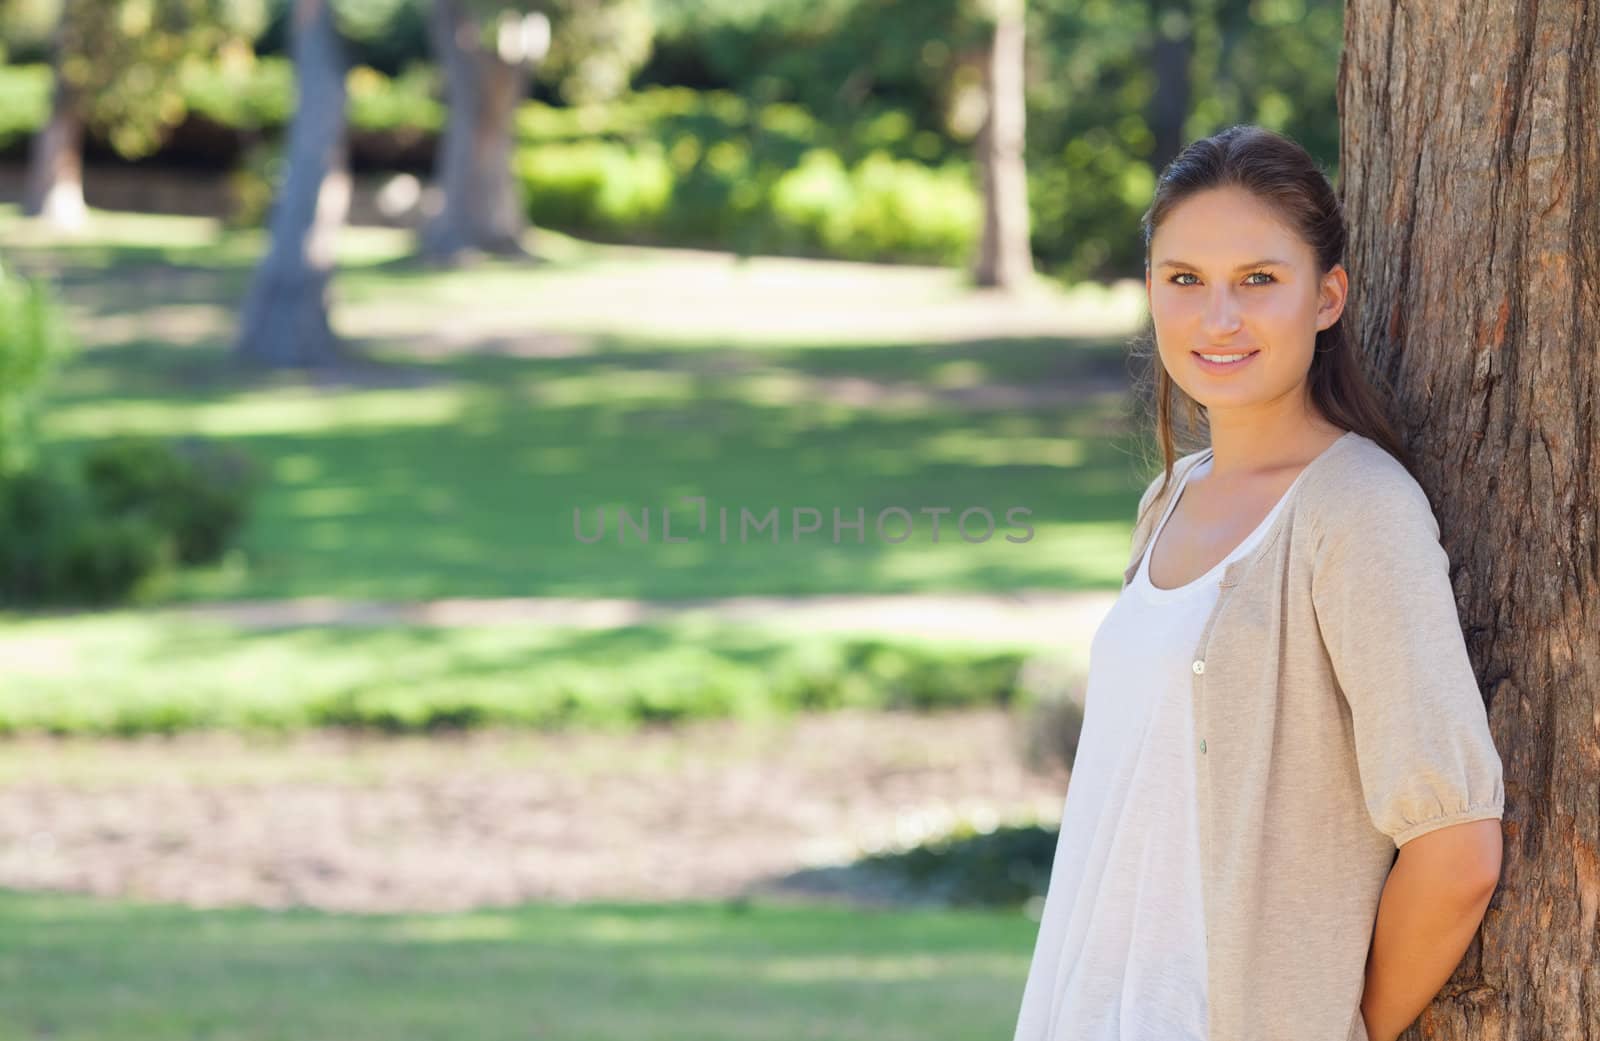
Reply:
x=1330, y=297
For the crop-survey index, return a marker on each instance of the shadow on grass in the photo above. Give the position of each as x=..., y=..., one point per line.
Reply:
x=426, y=466
x=1004, y=868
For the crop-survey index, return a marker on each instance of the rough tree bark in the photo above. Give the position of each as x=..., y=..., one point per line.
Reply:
x=1005, y=258
x=284, y=320
x=475, y=205
x=1470, y=141
x=54, y=187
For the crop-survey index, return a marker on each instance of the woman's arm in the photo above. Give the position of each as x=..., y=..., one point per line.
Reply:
x=1430, y=908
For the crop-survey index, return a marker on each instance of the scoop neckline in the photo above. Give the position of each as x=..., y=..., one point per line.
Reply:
x=1245, y=547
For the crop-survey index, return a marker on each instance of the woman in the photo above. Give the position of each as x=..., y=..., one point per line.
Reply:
x=1280, y=699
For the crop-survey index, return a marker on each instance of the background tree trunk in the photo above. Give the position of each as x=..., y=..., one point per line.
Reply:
x=54, y=189
x=1169, y=54
x=1005, y=257
x=1470, y=141
x=284, y=320
x=475, y=202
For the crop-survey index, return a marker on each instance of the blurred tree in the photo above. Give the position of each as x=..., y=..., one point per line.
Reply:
x=1471, y=136
x=284, y=319
x=117, y=67
x=1171, y=46
x=588, y=49
x=387, y=35
x=1005, y=259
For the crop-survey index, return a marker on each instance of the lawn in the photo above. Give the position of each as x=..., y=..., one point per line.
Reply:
x=74, y=968
x=499, y=401
x=495, y=412
x=128, y=672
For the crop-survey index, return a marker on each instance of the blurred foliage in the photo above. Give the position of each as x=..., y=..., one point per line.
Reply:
x=783, y=79
x=112, y=524
x=596, y=46
x=1091, y=85
x=712, y=168
x=120, y=60
x=618, y=679
x=56, y=548
x=34, y=342
x=968, y=867
x=385, y=34
x=196, y=489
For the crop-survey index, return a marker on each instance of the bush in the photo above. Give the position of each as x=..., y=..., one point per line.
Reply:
x=114, y=526
x=595, y=186
x=725, y=194
x=33, y=342
x=885, y=208
x=676, y=166
x=196, y=490
x=55, y=548
x=1005, y=867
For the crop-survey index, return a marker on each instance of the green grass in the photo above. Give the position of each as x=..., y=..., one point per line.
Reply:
x=74, y=968
x=127, y=672
x=495, y=402
x=457, y=469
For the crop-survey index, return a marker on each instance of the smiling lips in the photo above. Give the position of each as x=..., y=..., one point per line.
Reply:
x=1217, y=361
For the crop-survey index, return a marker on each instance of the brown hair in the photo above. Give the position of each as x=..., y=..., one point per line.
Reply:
x=1283, y=175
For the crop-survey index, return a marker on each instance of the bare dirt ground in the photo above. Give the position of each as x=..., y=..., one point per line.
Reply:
x=708, y=810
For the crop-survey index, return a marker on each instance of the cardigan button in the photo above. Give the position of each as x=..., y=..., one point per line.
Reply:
x=1199, y=666
x=1202, y=746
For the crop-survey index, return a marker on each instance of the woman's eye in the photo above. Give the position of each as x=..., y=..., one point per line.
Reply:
x=1266, y=277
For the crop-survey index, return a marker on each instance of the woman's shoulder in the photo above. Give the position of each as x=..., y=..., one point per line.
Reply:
x=1179, y=465
x=1359, y=483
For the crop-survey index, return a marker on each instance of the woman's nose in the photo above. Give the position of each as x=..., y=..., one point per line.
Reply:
x=1222, y=312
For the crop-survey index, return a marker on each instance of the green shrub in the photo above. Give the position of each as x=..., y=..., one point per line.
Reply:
x=1005, y=867
x=713, y=169
x=113, y=527
x=259, y=95
x=196, y=490
x=886, y=208
x=726, y=194
x=33, y=343
x=55, y=548
x=595, y=186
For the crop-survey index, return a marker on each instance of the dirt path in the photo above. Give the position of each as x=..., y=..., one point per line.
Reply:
x=344, y=823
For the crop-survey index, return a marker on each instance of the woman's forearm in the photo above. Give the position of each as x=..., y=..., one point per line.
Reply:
x=1426, y=920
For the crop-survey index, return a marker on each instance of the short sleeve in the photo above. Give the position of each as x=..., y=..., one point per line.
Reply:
x=1383, y=601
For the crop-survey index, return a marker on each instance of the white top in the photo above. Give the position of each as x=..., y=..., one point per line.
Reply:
x=1120, y=954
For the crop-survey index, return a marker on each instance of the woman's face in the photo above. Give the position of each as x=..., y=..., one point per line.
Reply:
x=1226, y=277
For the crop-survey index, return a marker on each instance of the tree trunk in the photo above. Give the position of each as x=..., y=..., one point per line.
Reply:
x=1169, y=106
x=1470, y=137
x=54, y=189
x=284, y=321
x=475, y=204
x=1005, y=259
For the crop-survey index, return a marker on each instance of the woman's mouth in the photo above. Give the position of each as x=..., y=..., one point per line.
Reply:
x=1223, y=361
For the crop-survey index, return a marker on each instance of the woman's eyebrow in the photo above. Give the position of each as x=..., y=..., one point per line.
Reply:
x=1241, y=267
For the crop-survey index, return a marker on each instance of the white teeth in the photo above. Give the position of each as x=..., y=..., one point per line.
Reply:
x=1225, y=358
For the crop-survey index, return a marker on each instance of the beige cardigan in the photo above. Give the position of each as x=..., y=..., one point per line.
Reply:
x=1337, y=717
